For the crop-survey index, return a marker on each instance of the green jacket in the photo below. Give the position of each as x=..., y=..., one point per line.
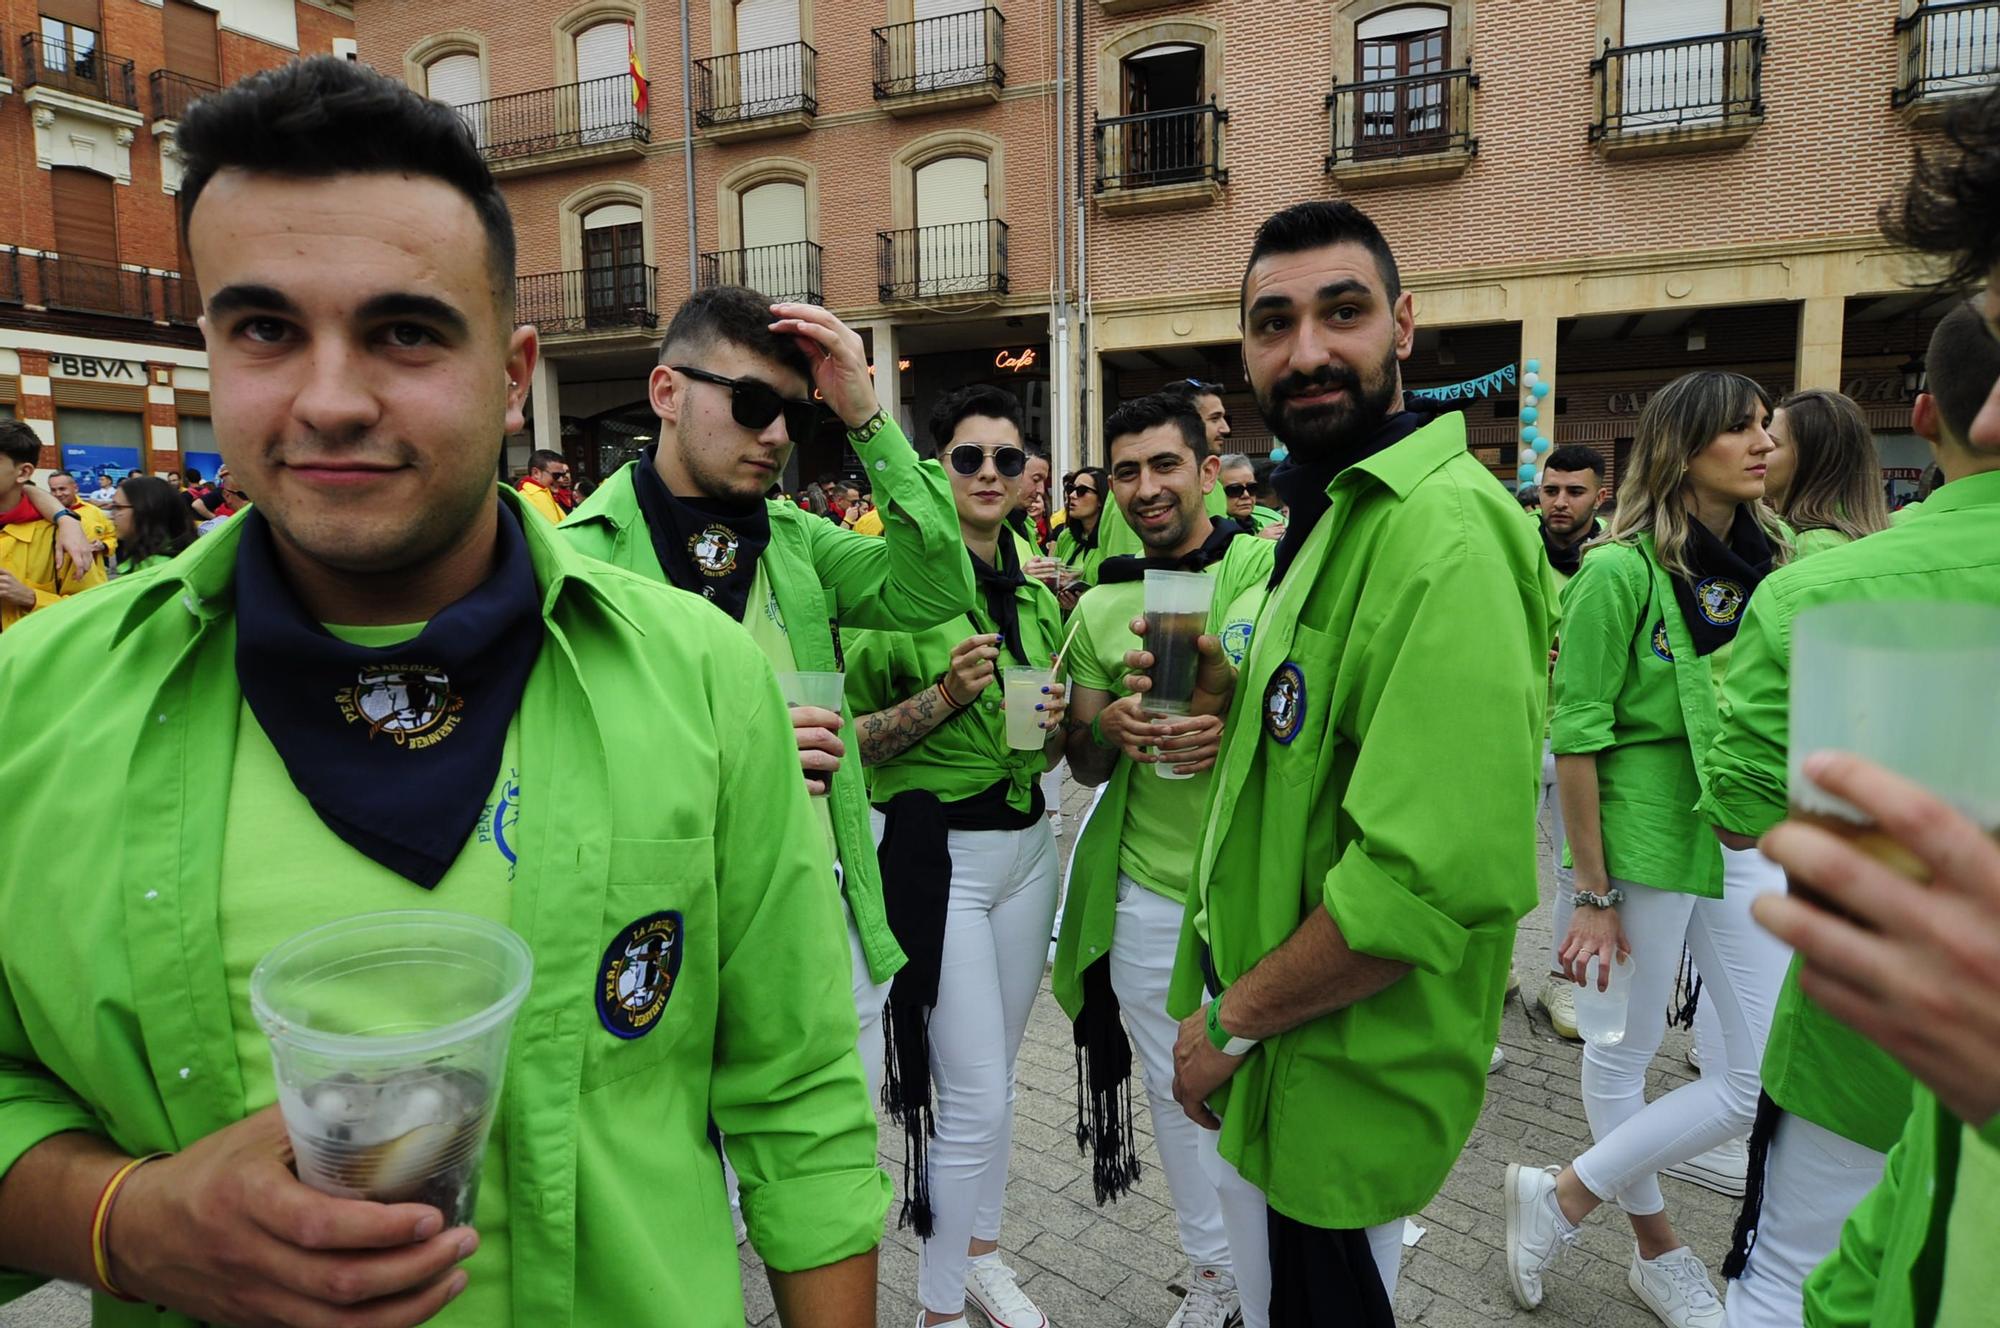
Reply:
x=1381, y=761
x=1946, y=548
x=113, y=1008
x=912, y=576
x=1083, y=562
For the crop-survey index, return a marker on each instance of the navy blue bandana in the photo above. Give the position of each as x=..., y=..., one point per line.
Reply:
x=396, y=747
x=705, y=546
x=1132, y=567
x=1713, y=599
x=1303, y=484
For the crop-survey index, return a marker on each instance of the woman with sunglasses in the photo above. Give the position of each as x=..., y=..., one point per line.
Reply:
x=1076, y=542
x=969, y=868
x=153, y=523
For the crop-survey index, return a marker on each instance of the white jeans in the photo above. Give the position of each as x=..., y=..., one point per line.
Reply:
x=996, y=943
x=1742, y=967
x=1142, y=964
x=1247, y=1218
x=1813, y=1178
x=1565, y=878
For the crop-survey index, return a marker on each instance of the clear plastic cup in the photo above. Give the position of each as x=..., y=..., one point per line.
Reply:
x=1600, y=1015
x=821, y=690
x=388, y=1036
x=1176, y=608
x=1021, y=692
x=1165, y=769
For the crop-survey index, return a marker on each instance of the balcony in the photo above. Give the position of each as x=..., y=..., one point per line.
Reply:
x=174, y=93
x=1157, y=160
x=966, y=258
x=756, y=94
x=11, y=291
x=1406, y=130
x=180, y=302
x=89, y=74
x=944, y=61
x=550, y=128
x=1681, y=95
x=612, y=303
x=785, y=273
x=90, y=286
x=1947, y=51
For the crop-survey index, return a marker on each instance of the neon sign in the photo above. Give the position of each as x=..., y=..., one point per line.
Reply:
x=1015, y=363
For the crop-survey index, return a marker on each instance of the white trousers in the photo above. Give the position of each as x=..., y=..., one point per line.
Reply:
x=1813, y=1178
x=996, y=942
x=1561, y=908
x=1142, y=965
x=1247, y=1218
x=1742, y=967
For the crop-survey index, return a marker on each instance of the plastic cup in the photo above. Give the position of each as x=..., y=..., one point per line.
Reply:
x=1165, y=769
x=1600, y=1015
x=388, y=1036
x=821, y=690
x=1176, y=609
x=1021, y=692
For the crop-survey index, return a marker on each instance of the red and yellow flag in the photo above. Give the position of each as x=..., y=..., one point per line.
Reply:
x=641, y=89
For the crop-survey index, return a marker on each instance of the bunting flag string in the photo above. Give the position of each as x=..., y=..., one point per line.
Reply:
x=1486, y=385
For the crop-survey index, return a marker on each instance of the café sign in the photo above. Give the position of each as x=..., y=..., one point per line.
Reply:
x=1015, y=361
x=93, y=369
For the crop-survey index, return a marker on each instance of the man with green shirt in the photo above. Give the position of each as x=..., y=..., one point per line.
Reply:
x=732, y=391
x=1369, y=842
x=1128, y=879
x=386, y=686
x=1114, y=534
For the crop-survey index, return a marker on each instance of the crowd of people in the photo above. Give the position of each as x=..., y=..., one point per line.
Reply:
x=1290, y=912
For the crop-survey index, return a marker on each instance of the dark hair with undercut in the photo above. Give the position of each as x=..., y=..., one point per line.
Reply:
x=1959, y=369
x=542, y=458
x=327, y=116
x=1951, y=208
x=19, y=444
x=736, y=315
x=1574, y=457
x=982, y=399
x=1315, y=225
x=1190, y=388
x=1150, y=412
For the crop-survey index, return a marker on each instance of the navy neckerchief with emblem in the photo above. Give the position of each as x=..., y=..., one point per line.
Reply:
x=395, y=747
x=704, y=545
x=1566, y=558
x=1303, y=484
x=1713, y=599
x=1131, y=567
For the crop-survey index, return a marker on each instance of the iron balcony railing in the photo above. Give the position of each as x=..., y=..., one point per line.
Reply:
x=1948, y=49
x=941, y=54
x=91, y=286
x=786, y=273
x=180, y=303
x=1687, y=83
x=1174, y=146
x=174, y=93
x=1413, y=116
x=595, y=299
x=10, y=277
x=750, y=85
x=595, y=112
x=960, y=258
x=72, y=68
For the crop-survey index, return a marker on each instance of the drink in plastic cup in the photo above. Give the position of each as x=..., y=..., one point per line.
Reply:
x=1021, y=692
x=1909, y=686
x=1176, y=616
x=388, y=1037
x=1600, y=1015
x=822, y=690
x=1165, y=769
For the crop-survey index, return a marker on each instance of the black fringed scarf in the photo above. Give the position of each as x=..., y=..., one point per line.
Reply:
x=1132, y=567
x=1744, y=1237
x=1713, y=599
x=710, y=548
x=915, y=855
x=1104, y=1088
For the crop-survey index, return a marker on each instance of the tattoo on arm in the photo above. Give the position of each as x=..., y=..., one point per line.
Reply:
x=887, y=734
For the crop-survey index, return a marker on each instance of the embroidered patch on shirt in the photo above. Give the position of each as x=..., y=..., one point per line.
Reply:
x=1720, y=600
x=1660, y=646
x=496, y=821
x=714, y=550
x=413, y=705
x=637, y=975
x=1285, y=702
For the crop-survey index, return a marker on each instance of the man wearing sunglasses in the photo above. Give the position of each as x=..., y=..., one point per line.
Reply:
x=734, y=392
x=547, y=472
x=1239, y=486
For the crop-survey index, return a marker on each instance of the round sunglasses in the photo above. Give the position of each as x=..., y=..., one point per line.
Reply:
x=754, y=404
x=967, y=458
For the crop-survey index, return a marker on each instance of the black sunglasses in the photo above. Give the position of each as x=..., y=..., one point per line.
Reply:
x=1239, y=490
x=1082, y=489
x=755, y=404
x=967, y=458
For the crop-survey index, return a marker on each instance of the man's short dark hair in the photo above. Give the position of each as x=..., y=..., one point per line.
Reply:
x=542, y=458
x=1150, y=412
x=1959, y=368
x=191, y=475
x=19, y=444
x=1190, y=388
x=736, y=315
x=1952, y=206
x=1315, y=225
x=984, y=400
x=1573, y=457
x=327, y=116
x=62, y=474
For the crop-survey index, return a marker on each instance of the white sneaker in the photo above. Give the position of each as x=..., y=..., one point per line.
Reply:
x=1211, y=1302
x=1675, y=1287
x=1558, y=1001
x=1722, y=1168
x=1499, y=1058
x=1536, y=1230
x=999, y=1297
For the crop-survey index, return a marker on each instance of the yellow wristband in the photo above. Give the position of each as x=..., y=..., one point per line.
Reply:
x=100, y=1224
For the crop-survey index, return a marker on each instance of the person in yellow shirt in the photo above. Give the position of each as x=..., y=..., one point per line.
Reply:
x=547, y=472
x=28, y=577
x=97, y=524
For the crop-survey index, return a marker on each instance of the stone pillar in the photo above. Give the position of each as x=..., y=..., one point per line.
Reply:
x=163, y=438
x=37, y=408
x=1820, y=324
x=888, y=377
x=545, y=398
x=1538, y=343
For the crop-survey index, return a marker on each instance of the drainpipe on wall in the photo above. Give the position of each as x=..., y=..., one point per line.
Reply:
x=687, y=146
x=1065, y=435
x=1083, y=403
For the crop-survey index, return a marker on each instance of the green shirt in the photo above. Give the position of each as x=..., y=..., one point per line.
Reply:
x=1262, y=516
x=1070, y=553
x=115, y=1005
x=1808, y=542
x=1943, y=549
x=1630, y=689
x=764, y=619
x=1144, y=826
x=1381, y=761
x=909, y=577
x=968, y=752
x=1115, y=536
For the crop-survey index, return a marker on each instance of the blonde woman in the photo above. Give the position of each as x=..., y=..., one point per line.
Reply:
x=1824, y=478
x=1647, y=622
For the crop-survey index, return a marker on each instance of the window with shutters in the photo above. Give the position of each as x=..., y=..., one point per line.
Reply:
x=190, y=42
x=1407, y=50
x=1671, y=70
x=84, y=274
x=954, y=228
x=1401, y=105
x=458, y=81
x=615, y=277
x=604, y=80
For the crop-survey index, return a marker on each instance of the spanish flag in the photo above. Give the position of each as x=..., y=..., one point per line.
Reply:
x=641, y=89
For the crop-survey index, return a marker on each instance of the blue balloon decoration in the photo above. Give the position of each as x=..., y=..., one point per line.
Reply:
x=1534, y=366
x=1280, y=452
x=1540, y=390
x=1541, y=445
x=1528, y=468
x=1529, y=414
x=1529, y=434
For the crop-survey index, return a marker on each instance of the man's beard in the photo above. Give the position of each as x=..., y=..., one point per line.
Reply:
x=1329, y=431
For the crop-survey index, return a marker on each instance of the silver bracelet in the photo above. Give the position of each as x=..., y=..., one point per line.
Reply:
x=1585, y=899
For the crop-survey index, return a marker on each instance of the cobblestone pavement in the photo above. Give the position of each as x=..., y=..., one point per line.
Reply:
x=1115, y=1267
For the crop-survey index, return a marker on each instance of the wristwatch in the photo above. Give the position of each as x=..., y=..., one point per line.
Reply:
x=1220, y=1040
x=1610, y=899
x=869, y=427
x=62, y=512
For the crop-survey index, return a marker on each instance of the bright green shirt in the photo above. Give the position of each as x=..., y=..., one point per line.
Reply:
x=1947, y=548
x=115, y=1013
x=764, y=619
x=1381, y=761
x=1083, y=562
x=1630, y=689
x=1262, y=516
x=1808, y=542
x=911, y=576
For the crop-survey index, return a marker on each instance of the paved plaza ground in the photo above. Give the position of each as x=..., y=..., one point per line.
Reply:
x=1115, y=1267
